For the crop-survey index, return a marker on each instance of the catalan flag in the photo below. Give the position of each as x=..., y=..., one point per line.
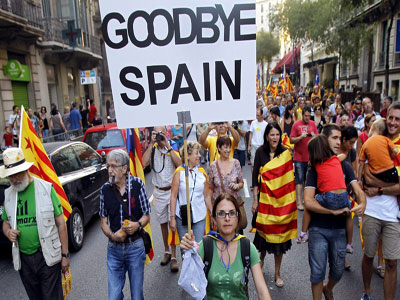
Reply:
x=42, y=168
x=136, y=169
x=277, y=212
x=286, y=141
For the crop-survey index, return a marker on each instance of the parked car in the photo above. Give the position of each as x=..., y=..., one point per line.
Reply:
x=107, y=137
x=82, y=172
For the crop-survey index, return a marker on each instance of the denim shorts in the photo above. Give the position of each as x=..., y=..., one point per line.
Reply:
x=326, y=244
x=333, y=201
x=300, y=170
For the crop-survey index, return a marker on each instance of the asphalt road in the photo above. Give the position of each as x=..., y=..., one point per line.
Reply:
x=89, y=272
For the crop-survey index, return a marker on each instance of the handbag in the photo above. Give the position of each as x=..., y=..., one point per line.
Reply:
x=146, y=239
x=183, y=208
x=66, y=282
x=239, y=201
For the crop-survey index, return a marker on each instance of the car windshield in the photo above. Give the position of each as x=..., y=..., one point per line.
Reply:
x=105, y=139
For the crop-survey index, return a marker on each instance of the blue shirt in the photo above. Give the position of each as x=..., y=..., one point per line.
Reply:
x=75, y=117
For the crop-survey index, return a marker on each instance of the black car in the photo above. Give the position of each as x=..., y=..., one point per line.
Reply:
x=82, y=172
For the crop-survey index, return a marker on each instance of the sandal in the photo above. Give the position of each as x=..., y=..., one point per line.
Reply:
x=279, y=282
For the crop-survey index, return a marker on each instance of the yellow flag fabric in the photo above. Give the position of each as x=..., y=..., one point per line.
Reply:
x=277, y=212
x=42, y=167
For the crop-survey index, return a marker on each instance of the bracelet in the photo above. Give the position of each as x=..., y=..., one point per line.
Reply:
x=172, y=216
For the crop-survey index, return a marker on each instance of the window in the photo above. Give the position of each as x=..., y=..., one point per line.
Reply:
x=52, y=83
x=106, y=139
x=87, y=156
x=262, y=8
x=65, y=161
x=262, y=19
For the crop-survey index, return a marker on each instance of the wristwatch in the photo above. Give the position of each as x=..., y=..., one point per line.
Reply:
x=380, y=191
x=66, y=255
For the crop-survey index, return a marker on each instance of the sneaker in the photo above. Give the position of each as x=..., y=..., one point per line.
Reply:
x=174, y=265
x=165, y=260
x=365, y=297
x=380, y=271
x=303, y=238
x=349, y=249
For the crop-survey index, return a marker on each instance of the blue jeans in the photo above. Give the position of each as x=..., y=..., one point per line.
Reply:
x=300, y=170
x=123, y=257
x=198, y=229
x=326, y=244
x=240, y=155
x=333, y=201
x=45, y=133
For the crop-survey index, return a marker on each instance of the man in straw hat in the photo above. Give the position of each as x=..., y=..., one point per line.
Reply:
x=34, y=223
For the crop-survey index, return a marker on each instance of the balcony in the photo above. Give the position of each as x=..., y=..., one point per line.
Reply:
x=88, y=49
x=22, y=17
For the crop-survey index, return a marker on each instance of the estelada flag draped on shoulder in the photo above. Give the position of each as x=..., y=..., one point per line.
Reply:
x=277, y=211
x=136, y=169
x=42, y=167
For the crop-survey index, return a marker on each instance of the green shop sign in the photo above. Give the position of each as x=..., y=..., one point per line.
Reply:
x=17, y=71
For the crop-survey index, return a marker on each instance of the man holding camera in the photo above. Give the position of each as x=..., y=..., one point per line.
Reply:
x=210, y=143
x=301, y=133
x=163, y=157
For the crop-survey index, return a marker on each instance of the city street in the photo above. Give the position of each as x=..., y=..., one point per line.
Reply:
x=89, y=272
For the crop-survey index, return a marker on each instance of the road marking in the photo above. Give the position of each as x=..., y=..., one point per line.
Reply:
x=245, y=188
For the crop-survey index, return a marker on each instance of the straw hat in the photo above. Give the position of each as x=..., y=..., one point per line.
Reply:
x=14, y=162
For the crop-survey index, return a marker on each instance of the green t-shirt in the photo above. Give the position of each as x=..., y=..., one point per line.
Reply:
x=26, y=218
x=226, y=285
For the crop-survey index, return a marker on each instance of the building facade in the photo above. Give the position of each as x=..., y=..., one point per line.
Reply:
x=31, y=39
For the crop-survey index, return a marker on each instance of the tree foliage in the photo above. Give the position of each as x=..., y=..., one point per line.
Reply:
x=267, y=46
x=329, y=23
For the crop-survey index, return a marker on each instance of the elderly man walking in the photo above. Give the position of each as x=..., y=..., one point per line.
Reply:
x=125, y=251
x=34, y=221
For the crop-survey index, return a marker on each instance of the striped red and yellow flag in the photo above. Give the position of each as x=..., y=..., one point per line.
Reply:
x=396, y=160
x=136, y=169
x=173, y=238
x=286, y=141
x=42, y=167
x=277, y=212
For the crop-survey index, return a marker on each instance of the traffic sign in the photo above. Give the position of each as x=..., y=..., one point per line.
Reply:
x=88, y=77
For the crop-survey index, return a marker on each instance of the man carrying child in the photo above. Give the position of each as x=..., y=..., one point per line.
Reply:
x=380, y=218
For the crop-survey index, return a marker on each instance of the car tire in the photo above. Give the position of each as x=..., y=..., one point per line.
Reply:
x=76, y=230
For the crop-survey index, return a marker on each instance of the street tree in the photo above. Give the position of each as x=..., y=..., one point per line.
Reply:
x=267, y=46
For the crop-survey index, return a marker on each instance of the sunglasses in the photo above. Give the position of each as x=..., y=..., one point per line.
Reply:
x=358, y=103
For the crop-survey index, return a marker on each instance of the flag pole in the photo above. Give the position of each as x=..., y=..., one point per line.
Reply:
x=183, y=118
x=128, y=147
x=14, y=226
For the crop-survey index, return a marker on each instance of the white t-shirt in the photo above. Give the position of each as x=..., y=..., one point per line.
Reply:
x=383, y=207
x=11, y=119
x=332, y=109
x=258, y=129
x=242, y=143
x=192, y=137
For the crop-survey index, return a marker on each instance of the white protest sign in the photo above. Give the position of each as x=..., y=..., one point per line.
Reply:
x=168, y=56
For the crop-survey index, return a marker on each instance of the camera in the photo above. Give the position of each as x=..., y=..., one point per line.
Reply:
x=235, y=125
x=309, y=134
x=159, y=136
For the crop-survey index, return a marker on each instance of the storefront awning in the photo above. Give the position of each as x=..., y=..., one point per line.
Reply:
x=321, y=61
x=288, y=60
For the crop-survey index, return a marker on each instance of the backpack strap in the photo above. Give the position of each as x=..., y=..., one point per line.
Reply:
x=208, y=253
x=245, y=253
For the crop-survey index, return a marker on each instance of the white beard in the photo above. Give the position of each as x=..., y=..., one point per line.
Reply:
x=20, y=186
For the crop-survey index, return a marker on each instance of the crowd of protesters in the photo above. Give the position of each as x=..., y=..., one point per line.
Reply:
x=342, y=156
x=74, y=118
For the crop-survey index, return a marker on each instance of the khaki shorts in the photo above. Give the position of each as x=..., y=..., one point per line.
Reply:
x=372, y=228
x=161, y=205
